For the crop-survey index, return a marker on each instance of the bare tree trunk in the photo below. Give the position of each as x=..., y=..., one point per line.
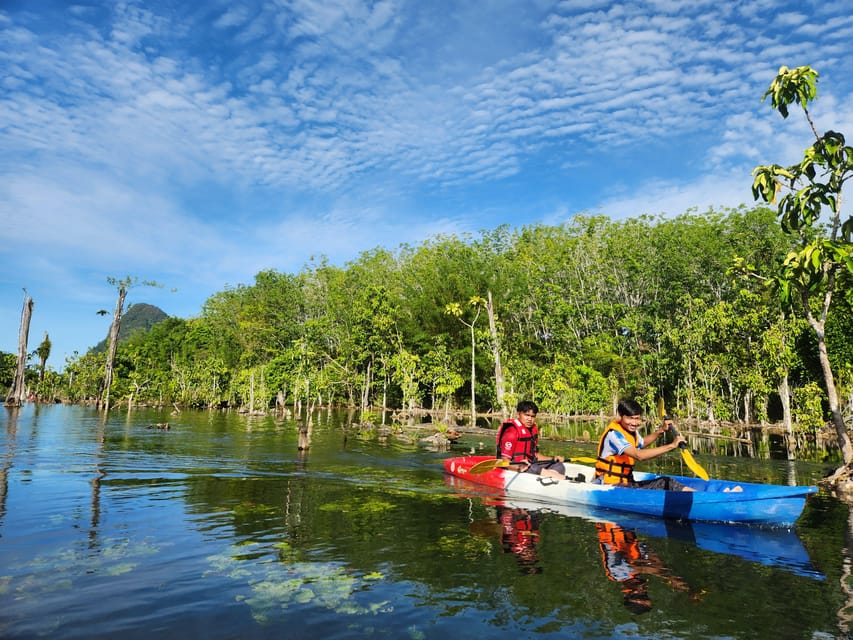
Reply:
x=17, y=392
x=834, y=407
x=252, y=392
x=473, y=377
x=104, y=401
x=818, y=325
x=496, y=353
x=384, y=395
x=365, y=389
x=784, y=390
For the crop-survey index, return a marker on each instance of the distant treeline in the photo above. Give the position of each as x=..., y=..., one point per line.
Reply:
x=582, y=314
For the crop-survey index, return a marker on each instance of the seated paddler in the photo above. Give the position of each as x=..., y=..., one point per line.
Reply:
x=518, y=443
x=621, y=446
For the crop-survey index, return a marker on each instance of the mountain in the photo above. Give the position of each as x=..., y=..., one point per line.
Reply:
x=137, y=317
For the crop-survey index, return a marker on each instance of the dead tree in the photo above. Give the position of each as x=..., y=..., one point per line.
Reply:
x=104, y=400
x=18, y=391
x=496, y=354
x=123, y=286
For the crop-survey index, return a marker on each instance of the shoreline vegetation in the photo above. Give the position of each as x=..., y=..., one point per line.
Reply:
x=563, y=320
x=440, y=428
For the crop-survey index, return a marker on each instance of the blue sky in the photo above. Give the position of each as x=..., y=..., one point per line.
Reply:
x=197, y=143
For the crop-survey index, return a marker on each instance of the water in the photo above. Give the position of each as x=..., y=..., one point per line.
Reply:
x=219, y=527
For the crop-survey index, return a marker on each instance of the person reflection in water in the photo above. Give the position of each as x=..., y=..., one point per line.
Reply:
x=520, y=535
x=627, y=561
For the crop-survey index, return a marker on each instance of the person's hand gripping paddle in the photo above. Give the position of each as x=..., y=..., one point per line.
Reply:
x=688, y=458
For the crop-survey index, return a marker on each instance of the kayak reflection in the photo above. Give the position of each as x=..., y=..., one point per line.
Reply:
x=626, y=558
x=775, y=547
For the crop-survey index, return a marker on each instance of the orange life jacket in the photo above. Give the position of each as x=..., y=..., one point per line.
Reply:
x=525, y=444
x=615, y=469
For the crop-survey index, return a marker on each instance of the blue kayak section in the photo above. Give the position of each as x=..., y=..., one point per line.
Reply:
x=712, y=501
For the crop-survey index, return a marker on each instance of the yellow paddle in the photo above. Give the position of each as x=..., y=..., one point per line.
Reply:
x=487, y=465
x=496, y=463
x=688, y=458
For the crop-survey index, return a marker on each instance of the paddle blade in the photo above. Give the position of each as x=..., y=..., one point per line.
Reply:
x=694, y=466
x=688, y=458
x=487, y=465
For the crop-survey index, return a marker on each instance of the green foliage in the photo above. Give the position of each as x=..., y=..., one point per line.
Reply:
x=586, y=312
x=813, y=187
x=8, y=362
x=821, y=261
x=808, y=413
x=574, y=389
x=792, y=85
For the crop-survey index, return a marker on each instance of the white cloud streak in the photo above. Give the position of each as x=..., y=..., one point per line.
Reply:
x=202, y=143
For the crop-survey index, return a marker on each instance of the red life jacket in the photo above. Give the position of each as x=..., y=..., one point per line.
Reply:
x=523, y=448
x=615, y=469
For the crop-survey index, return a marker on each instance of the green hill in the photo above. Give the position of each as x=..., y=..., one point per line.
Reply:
x=137, y=317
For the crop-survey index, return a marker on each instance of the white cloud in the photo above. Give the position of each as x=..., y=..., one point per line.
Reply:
x=205, y=144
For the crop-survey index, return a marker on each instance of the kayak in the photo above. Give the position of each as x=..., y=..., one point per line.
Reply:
x=711, y=500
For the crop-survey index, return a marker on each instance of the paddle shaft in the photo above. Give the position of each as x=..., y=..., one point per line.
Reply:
x=681, y=445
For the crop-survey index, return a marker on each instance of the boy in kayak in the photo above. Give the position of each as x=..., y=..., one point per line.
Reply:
x=518, y=442
x=620, y=446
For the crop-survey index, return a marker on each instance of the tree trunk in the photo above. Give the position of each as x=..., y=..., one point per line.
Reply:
x=473, y=377
x=365, y=391
x=18, y=392
x=252, y=392
x=104, y=401
x=496, y=353
x=784, y=390
x=834, y=407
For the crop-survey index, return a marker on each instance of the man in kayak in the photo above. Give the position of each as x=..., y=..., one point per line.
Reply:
x=518, y=442
x=620, y=446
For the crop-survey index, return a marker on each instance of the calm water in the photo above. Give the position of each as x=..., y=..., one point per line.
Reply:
x=220, y=528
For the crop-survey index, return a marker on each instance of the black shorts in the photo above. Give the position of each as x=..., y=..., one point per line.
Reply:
x=662, y=482
x=537, y=467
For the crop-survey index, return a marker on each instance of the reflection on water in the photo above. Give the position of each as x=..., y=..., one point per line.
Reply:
x=627, y=560
x=227, y=526
x=520, y=535
x=626, y=544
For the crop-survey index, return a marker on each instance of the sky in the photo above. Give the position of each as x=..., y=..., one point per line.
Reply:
x=195, y=144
